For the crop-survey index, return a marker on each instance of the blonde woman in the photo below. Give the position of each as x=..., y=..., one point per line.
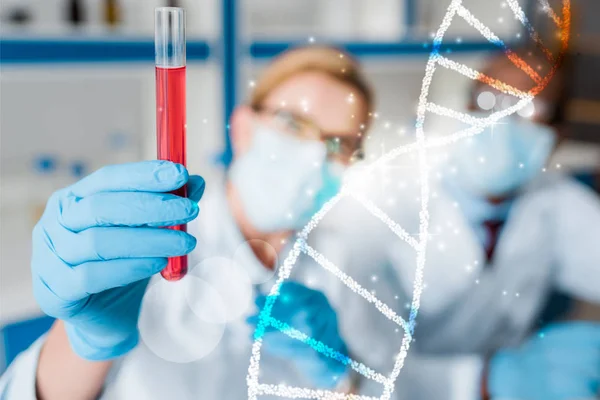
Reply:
x=100, y=241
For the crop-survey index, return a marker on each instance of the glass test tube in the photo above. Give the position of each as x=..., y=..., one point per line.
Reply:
x=171, y=105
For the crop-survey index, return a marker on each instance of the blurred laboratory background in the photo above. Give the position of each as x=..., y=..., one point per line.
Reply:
x=77, y=92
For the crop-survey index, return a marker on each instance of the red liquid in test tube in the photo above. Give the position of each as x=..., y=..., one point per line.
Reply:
x=171, y=105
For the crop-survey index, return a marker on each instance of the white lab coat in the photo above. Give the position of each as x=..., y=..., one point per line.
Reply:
x=549, y=242
x=469, y=309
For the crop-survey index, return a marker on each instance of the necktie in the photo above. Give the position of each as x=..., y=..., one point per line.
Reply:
x=493, y=228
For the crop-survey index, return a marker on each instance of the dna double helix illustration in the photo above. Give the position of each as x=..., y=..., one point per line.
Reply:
x=456, y=10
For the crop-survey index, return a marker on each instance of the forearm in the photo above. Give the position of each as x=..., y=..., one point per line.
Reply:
x=62, y=374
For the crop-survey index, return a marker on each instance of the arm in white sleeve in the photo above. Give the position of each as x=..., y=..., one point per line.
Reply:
x=18, y=382
x=578, y=230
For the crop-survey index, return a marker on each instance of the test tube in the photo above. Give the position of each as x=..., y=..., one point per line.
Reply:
x=171, y=105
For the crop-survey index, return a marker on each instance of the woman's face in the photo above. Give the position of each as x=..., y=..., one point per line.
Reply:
x=314, y=106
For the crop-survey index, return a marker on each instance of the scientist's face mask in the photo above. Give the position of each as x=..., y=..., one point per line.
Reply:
x=500, y=160
x=283, y=180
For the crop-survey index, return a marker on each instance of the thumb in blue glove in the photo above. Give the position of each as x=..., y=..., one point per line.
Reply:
x=100, y=240
x=323, y=357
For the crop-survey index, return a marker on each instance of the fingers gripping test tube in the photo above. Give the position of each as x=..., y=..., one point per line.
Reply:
x=170, y=43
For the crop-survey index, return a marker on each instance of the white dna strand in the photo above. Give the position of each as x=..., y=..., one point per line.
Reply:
x=420, y=146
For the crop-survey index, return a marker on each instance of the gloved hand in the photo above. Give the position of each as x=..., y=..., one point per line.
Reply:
x=309, y=312
x=562, y=362
x=99, y=241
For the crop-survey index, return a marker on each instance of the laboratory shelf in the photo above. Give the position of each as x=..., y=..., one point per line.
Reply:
x=260, y=49
x=88, y=50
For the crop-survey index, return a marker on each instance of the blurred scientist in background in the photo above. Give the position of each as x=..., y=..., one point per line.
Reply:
x=543, y=224
x=526, y=231
x=509, y=236
x=100, y=240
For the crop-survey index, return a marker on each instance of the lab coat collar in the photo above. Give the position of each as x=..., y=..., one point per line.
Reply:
x=477, y=209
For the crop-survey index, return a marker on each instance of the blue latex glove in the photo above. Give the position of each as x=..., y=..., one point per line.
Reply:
x=562, y=362
x=99, y=241
x=309, y=312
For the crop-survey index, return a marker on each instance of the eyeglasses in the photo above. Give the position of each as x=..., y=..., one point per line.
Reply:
x=489, y=101
x=345, y=148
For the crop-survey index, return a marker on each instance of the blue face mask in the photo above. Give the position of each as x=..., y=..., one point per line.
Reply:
x=282, y=180
x=500, y=161
x=331, y=175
